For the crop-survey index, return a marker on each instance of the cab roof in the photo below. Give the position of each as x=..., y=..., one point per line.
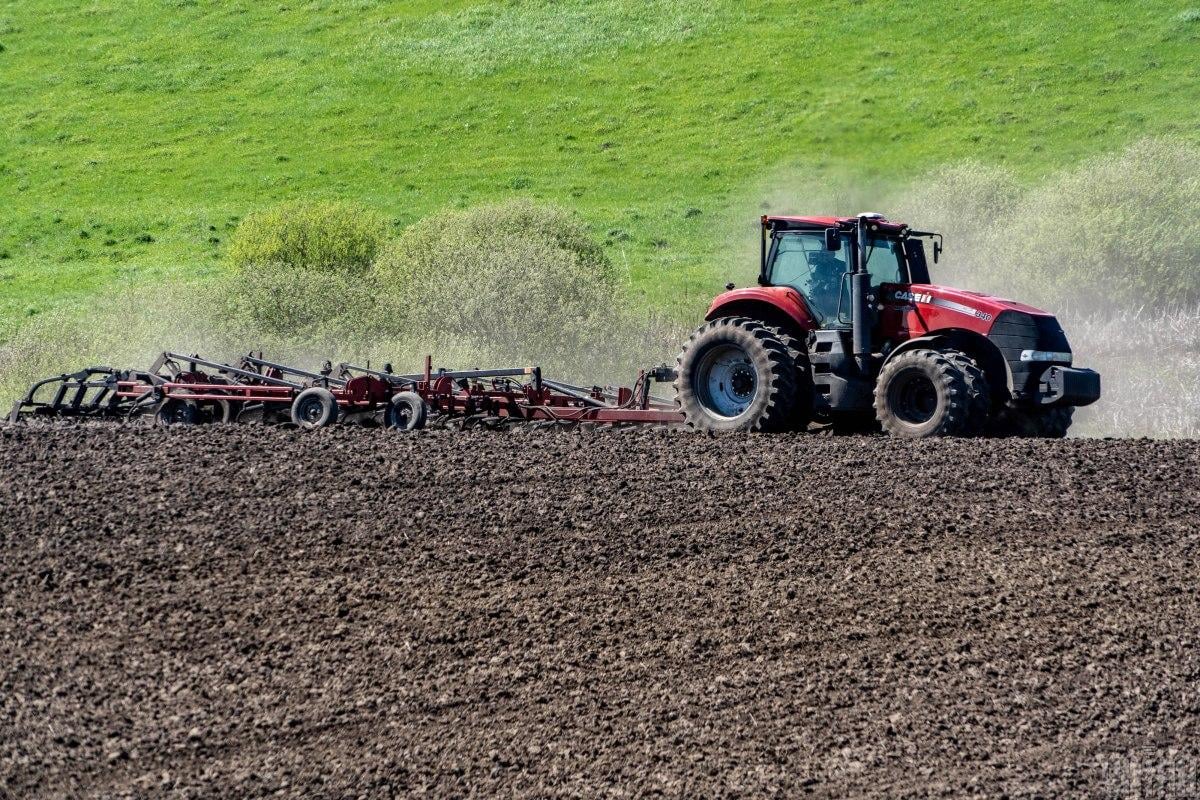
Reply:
x=788, y=222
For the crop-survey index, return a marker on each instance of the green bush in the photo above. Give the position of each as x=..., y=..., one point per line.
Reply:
x=961, y=201
x=299, y=302
x=1116, y=231
x=334, y=235
x=521, y=281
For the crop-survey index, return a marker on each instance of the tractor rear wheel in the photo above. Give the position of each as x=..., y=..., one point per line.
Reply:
x=922, y=393
x=734, y=374
x=802, y=409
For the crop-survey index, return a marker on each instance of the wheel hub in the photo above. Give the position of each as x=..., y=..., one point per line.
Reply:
x=742, y=381
x=726, y=381
x=913, y=398
x=311, y=411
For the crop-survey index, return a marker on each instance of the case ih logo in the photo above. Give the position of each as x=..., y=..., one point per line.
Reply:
x=928, y=299
x=909, y=297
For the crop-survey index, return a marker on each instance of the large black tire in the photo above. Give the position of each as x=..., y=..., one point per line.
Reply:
x=979, y=393
x=922, y=393
x=314, y=408
x=406, y=412
x=734, y=374
x=802, y=408
x=1033, y=423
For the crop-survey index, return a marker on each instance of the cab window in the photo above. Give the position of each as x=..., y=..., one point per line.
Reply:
x=885, y=261
x=802, y=262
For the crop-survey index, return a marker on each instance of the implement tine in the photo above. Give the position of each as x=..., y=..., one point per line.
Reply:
x=162, y=359
x=60, y=393
x=81, y=387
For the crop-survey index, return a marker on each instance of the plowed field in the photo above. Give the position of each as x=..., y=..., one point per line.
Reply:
x=238, y=612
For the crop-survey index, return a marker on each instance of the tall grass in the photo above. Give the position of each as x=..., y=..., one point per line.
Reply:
x=1149, y=360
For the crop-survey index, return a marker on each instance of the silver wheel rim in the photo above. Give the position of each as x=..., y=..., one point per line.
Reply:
x=726, y=381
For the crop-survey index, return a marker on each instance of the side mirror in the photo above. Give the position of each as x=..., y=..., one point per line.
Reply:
x=937, y=250
x=833, y=239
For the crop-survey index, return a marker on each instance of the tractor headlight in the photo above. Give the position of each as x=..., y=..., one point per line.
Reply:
x=1044, y=355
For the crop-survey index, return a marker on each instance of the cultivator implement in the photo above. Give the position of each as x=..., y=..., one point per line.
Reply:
x=191, y=390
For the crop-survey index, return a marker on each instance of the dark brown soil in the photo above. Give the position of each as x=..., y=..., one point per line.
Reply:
x=236, y=612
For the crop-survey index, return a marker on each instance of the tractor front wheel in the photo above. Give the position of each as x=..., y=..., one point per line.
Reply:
x=734, y=374
x=923, y=393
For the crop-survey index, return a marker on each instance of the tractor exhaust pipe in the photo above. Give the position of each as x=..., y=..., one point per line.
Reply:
x=860, y=297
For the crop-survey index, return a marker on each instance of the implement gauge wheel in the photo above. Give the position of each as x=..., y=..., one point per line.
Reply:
x=406, y=412
x=734, y=374
x=314, y=408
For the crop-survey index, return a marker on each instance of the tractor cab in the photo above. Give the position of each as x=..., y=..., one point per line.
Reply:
x=816, y=256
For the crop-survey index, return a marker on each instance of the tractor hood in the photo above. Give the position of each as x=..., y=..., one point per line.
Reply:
x=1028, y=339
x=947, y=307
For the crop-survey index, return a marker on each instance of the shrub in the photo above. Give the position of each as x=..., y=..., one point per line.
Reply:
x=519, y=280
x=298, y=302
x=316, y=235
x=961, y=201
x=1115, y=231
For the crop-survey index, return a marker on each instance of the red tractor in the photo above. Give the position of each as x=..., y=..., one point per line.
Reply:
x=845, y=328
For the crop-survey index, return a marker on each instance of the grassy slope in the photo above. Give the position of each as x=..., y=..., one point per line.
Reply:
x=128, y=121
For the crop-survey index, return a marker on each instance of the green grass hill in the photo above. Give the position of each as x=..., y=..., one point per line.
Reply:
x=138, y=132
